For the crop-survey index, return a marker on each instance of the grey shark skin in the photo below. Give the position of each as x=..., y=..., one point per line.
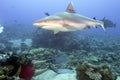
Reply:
x=67, y=21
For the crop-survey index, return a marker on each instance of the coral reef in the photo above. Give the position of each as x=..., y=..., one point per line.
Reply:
x=73, y=58
x=62, y=41
x=53, y=49
x=87, y=71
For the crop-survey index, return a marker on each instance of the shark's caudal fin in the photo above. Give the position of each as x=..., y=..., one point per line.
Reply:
x=70, y=8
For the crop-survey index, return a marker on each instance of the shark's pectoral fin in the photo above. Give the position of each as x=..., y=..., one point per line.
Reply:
x=56, y=32
x=51, y=28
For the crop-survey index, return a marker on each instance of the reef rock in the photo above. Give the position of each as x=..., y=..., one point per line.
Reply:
x=66, y=76
x=51, y=75
x=87, y=71
x=118, y=78
x=48, y=75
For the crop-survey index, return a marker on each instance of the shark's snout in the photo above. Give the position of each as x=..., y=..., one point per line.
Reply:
x=35, y=24
x=39, y=23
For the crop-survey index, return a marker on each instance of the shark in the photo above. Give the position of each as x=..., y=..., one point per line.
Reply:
x=67, y=21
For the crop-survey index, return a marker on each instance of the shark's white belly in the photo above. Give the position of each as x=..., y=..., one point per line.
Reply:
x=55, y=28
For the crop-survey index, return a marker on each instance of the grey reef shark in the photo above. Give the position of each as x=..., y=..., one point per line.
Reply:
x=67, y=21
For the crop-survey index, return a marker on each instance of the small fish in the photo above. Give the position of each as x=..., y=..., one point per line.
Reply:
x=47, y=14
x=108, y=23
x=67, y=21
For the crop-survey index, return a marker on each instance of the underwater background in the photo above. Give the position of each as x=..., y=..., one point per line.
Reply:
x=67, y=49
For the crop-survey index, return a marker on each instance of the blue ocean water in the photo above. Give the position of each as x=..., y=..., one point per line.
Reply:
x=17, y=17
x=26, y=12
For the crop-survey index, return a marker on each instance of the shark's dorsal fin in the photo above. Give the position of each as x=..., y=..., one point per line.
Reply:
x=70, y=8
